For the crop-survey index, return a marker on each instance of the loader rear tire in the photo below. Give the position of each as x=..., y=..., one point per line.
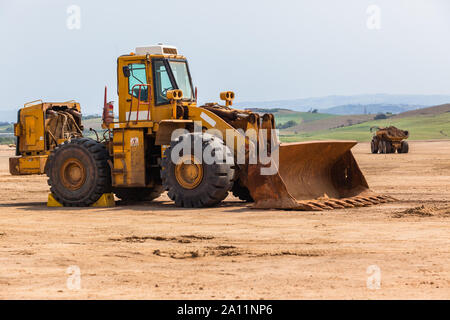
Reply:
x=138, y=194
x=196, y=185
x=78, y=172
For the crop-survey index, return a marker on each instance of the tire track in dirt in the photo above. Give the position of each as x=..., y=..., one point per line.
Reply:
x=221, y=250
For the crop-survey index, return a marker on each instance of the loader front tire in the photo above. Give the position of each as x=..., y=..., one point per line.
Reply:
x=196, y=184
x=138, y=194
x=78, y=172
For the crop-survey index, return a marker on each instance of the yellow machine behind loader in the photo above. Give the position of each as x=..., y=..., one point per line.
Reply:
x=39, y=129
x=142, y=156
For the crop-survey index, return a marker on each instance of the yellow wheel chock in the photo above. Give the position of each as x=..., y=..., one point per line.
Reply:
x=106, y=200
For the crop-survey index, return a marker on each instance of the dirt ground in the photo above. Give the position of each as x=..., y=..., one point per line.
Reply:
x=157, y=251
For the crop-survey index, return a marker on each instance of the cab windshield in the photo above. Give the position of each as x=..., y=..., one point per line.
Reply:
x=181, y=75
x=169, y=75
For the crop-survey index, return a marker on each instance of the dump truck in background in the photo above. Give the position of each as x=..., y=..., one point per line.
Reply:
x=389, y=140
x=40, y=127
x=139, y=156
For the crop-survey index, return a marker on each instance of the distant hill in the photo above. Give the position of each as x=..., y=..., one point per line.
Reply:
x=444, y=108
x=370, y=108
x=363, y=99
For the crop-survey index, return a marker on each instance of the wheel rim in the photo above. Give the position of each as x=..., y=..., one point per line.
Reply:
x=189, y=172
x=73, y=174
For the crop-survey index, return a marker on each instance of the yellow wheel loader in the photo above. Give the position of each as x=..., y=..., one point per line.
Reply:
x=162, y=140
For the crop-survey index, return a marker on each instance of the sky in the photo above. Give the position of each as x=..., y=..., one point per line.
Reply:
x=262, y=50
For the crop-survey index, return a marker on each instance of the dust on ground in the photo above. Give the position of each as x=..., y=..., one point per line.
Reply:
x=424, y=211
x=154, y=250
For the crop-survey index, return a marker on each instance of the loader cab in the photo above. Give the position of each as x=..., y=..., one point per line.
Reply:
x=145, y=77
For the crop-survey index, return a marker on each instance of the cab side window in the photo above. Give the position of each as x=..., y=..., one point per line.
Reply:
x=138, y=75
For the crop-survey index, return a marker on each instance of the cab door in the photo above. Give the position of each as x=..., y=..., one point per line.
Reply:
x=134, y=90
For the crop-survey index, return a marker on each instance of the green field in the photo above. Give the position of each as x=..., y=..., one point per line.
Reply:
x=7, y=140
x=419, y=127
x=7, y=133
x=285, y=116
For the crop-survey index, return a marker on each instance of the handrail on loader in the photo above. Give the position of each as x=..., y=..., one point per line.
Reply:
x=140, y=85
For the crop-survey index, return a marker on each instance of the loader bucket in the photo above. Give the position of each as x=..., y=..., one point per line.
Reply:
x=312, y=176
